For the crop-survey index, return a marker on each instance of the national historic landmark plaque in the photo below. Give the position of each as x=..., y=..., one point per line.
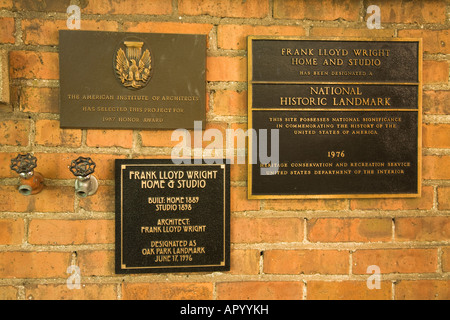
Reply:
x=131, y=80
x=348, y=115
x=172, y=217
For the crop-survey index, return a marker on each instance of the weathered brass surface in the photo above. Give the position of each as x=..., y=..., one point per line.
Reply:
x=348, y=113
x=131, y=80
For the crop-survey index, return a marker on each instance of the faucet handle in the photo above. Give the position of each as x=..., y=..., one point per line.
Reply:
x=31, y=182
x=82, y=167
x=24, y=164
x=86, y=184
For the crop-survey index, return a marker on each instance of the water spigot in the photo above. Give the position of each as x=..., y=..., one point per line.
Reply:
x=86, y=184
x=30, y=182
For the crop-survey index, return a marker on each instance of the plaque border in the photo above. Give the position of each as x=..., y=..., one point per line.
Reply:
x=250, y=83
x=184, y=268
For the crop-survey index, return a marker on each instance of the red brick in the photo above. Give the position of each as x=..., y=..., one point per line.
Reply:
x=321, y=10
x=5, y=91
x=103, y=200
x=6, y=4
x=308, y=204
x=443, y=198
x=396, y=260
x=349, y=229
x=62, y=292
x=33, y=65
x=234, y=37
x=14, y=132
x=190, y=139
x=162, y=138
x=17, y=264
x=422, y=229
x=5, y=162
x=425, y=202
x=8, y=30
x=68, y=232
x=400, y=11
x=8, y=293
x=446, y=259
x=239, y=200
x=436, y=167
x=238, y=172
x=226, y=8
x=208, y=136
x=48, y=5
x=11, y=231
x=238, y=136
x=434, y=41
x=422, y=290
x=435, y=102
x=230, y=103
x=244, y=261
x=48, y=133
x=95, y=263
x=43, y=100
x=10, y=200
x=45, y=32
x=169, y=27
x=53, y=199
x=306, y=262
x=347, y=290
x=351, y=32
x=260, y=290
x=109, y=138
x=256, y=230
x=226, y=68
x=167, y=291
x=436, y=135
x=435, y=72
x=50, y=199
x=130, y=7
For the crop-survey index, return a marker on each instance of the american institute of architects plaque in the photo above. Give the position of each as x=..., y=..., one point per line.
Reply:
x=348, y=113
x=172, y=218
x=131, y=80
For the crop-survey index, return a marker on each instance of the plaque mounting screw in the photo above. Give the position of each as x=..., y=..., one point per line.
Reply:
x=86, y=184
x=30, y=182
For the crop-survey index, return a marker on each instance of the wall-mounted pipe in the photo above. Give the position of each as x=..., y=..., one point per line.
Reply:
x=30, y=182
x=86, y=184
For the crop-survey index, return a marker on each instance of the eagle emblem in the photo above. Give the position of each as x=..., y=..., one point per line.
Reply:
x=133, y=67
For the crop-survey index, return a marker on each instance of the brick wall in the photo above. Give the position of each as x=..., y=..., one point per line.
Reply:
x=280, y=249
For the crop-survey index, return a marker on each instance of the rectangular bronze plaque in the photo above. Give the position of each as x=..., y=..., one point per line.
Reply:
x=348, y=115
x=172, y=217
x=122, y=80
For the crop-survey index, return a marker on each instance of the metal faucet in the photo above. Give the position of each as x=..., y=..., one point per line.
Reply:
x=30, y=182
x=86, y=184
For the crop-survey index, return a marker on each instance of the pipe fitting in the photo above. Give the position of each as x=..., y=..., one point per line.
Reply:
x=32, y=185
x=86, y=184
x=30, y=182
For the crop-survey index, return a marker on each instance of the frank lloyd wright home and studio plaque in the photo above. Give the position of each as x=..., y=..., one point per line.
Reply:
x=172, y=217
x=348, y=115
x=131, y=80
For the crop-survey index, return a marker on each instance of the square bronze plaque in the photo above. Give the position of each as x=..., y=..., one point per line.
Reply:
x=172, y=217
x=347, y=113
x=131, y=80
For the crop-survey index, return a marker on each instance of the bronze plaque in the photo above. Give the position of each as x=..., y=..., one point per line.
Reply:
x=172, y=217
x=131, y=80
x=347, y=113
